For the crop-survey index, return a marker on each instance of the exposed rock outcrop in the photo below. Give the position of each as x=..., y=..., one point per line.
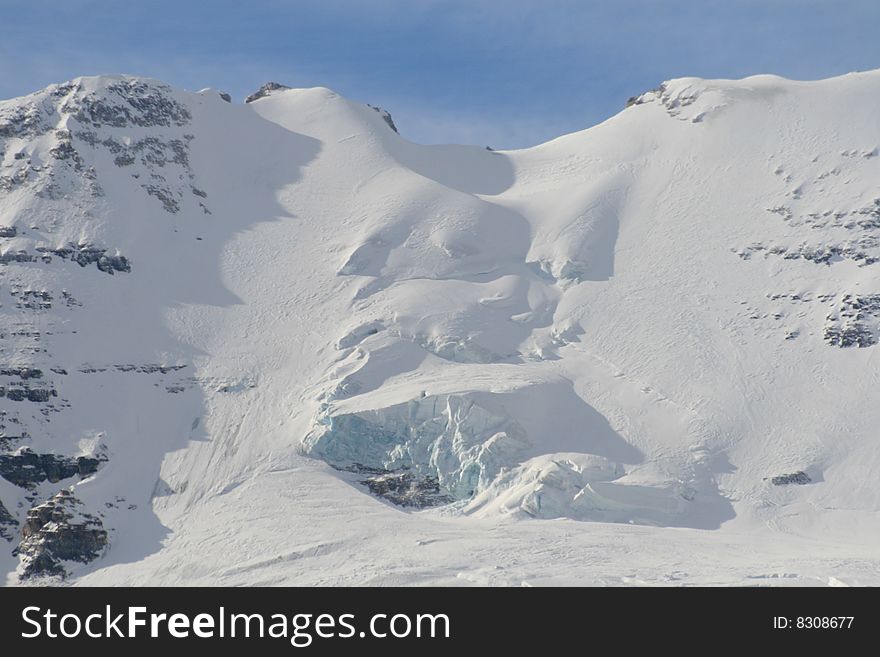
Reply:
x=7, y=524
x=16, y=256
x=27, y=469
x=149, y=369
x=87, y=254
x=57, y=531
x=22, y=372
x=402, y=487
x=27, y=393
x=800, y=478
x=386, y=116
x=33, y=299
x=265, y=90
x=125, y=103
x=856, y=323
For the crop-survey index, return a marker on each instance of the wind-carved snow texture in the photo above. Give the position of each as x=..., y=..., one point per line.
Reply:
x=275, y=342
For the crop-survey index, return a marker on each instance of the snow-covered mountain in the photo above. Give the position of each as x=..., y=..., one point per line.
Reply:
x=275, y=342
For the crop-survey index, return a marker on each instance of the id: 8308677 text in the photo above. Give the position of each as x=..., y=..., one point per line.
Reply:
x=813, y=622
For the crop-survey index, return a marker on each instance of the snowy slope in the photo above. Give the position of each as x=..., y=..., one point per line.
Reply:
x=278, y=343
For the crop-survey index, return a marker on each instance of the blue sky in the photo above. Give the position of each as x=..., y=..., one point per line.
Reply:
x=503, y=73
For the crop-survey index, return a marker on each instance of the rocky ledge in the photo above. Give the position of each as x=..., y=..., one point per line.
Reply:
x=27, y=469
x=799, y=478
x=87, y=254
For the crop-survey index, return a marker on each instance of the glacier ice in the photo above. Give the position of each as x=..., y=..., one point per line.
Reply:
x=450, y=437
